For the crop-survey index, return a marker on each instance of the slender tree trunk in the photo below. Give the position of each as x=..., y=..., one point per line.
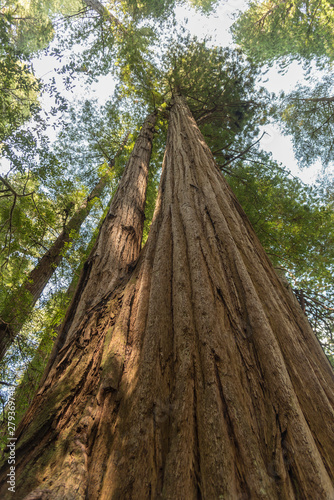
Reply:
x=20, y=303
x=104, y=12
x=25, y=391
x=198, y=376
x=32, y=377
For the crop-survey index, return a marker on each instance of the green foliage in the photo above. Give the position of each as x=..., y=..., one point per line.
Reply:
x=295, y=224
x=149, y=8
x=30, y=223
x=25, y=29
x=25, y=362
x=35, y=208
x=26, y=223
x=275, y=29
x=28, y=30
x=204, y=6
x=31, y=24
x=19, y=88
x=307, y=114
x=272, y=29
x=161, y=9
x=109, y=40
x=220, y=87
x=95, y=133
x=18, y=95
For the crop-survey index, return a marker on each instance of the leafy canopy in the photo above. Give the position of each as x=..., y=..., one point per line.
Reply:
x=296, y=29
x=307, y=115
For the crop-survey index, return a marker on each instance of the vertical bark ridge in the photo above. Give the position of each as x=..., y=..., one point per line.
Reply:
x=119, y=240
x=203, y=390
x=58, y=430
x=229, y=312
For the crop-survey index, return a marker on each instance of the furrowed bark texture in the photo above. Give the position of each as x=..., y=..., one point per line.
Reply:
x=76, y=357
x=211, y=383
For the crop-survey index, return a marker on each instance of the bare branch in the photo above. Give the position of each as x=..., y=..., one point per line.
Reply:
x=104, y=12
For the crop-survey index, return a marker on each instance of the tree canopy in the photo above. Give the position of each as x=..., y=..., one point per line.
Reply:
x=284, y=31
x=298, y=29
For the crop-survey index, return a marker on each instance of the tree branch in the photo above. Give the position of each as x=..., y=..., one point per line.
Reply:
x=242, y=152
x=104, y=12
x=10, y=188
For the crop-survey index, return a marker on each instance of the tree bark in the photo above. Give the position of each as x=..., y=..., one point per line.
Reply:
x=104, y=12
x=197, y=376
x=20, y=303
x=118, y=244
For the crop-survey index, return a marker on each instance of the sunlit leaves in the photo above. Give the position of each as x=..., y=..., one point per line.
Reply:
x=31, y=21
x=19, y=88
x=161, y=9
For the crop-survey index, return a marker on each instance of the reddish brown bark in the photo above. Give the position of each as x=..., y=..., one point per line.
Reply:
x=118, y=243
x=21, y=302
x=198, y=376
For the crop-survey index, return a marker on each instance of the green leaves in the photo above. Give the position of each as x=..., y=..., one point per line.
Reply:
x=307, y=114
x=19, y=88
x=296, y=29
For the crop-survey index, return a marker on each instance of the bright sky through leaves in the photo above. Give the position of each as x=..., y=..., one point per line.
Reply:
x=216, y=26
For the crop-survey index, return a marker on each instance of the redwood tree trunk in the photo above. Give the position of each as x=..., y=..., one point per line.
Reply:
x=197, y=377
x=20, y=303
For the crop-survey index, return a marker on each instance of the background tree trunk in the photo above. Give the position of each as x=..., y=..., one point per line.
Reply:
x=30, y=381
x=21, y=302
x=118, y=244
x=104, y=12
x=197, y=377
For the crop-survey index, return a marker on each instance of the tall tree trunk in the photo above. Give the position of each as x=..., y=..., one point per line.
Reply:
x=20, y=303
x=111, y=259
x=32, y=377
x=197, y=377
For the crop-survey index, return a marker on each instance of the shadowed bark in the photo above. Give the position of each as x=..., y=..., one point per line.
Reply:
x=197, y=376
